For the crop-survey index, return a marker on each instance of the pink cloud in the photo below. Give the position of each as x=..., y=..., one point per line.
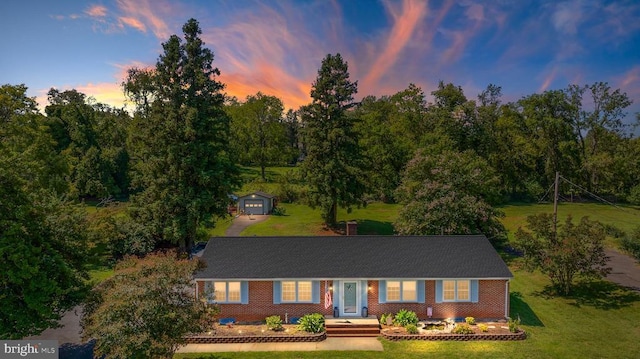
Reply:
x=133, y=22
x=405, y=22
x=143, y=14
x=96, y=11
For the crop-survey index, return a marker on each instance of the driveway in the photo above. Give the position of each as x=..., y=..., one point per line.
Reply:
x=68, y=337
x=624, y=270
x=241, y=222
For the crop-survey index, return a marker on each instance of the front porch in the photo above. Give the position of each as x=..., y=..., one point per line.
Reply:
x=352, y=326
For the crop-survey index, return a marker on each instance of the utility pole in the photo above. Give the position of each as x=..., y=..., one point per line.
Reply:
x=555, y=206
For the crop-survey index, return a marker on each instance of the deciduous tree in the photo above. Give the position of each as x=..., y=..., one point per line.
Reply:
x=449, y=193
x=575, y=251
x=146, y=308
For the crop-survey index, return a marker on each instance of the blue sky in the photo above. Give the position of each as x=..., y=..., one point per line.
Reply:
x=276, y=46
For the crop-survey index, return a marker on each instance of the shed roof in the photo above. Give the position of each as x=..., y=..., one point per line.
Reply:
x=258, y=193
x=373, y=257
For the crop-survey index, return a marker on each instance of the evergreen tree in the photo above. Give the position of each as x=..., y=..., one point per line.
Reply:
x=333, y=164
x=182, y=168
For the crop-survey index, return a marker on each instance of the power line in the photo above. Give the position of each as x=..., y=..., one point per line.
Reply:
x=598, y=197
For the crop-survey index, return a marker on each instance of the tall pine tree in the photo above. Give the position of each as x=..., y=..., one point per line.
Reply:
x=182, y=168
x=333, y=163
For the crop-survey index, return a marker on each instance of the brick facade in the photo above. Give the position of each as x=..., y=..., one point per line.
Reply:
x=490, y=305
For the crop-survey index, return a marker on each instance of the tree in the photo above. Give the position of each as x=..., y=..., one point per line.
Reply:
x=333, y=163
x=182, y=167
x=596, y=127
x=384, y=144
x=146, y=309
x=92, y=137
x=575, y=251
x=259, y=132
x=449, y=193
x=42, y=251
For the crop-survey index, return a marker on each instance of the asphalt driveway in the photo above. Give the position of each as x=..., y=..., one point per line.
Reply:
x=241, y=222
x=624, y=270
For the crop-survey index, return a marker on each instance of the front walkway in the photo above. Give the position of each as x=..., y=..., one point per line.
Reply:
x=368, y=344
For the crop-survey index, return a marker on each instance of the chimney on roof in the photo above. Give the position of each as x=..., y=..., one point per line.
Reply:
x=352, y=228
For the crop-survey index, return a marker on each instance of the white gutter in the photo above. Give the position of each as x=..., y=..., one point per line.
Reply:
x=506, y=299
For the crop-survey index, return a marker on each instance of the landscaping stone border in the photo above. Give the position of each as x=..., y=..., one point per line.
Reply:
x=521, y=335
x=211, y=339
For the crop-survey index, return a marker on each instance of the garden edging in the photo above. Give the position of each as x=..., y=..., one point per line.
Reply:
x=521, y=335
x=209, y=339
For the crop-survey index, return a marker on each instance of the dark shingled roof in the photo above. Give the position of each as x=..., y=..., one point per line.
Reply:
x=259, y=193
x=372, y=257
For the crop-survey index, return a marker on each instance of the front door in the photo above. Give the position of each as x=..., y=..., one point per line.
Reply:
x=350, y=298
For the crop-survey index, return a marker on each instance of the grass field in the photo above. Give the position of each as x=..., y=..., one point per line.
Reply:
x=601, y=320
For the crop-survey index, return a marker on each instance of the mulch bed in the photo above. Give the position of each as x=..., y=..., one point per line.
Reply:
x=497, y=331
x=254, y=333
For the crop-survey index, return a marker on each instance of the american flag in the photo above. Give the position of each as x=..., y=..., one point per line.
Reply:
x=327, y=298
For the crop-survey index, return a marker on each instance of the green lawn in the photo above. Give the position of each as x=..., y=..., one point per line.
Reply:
x=600, y=321
x=301, y=220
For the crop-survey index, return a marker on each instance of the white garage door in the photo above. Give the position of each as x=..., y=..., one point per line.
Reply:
x=254, y=206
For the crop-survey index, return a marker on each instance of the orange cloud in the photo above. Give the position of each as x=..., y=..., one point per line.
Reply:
x=106, y=92
x=96, y=11
x=143, y=14
x=405, y=22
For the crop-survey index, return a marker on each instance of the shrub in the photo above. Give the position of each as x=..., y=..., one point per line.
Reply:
x=312, y=323
x=470, y=320
x=274, y=323
x=514, y=325
x=405, y=317
x=631, y=243
x=384, y=317
x=614, y=231
x=463, y=328
x=412, y=329
x=483, y=328
x=279, y=211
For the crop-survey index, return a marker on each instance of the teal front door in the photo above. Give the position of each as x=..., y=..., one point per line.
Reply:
x=350, y=298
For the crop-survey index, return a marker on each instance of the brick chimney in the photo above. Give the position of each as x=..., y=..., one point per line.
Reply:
x=352, y=228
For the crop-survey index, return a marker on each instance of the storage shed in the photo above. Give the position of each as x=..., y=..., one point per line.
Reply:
x=256, y=203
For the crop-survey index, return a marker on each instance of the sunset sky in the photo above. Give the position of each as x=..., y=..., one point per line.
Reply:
x=276, y=46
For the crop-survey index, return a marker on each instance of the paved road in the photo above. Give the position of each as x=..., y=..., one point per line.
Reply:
x=624, y=270
x=241, y=222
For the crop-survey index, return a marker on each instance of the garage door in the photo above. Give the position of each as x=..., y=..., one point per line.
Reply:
x=254, y=206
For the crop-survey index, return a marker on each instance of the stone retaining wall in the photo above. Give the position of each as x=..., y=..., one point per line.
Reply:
x=208, y=339
x=521, y=335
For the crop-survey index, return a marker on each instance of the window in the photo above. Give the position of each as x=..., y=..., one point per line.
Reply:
x=463, y=290
x=393, y=291
x=456, y=290
x=304, y=291
x=409, y=291
x=227, y=292
x=293, y=291
x=449, y=289
x=288, y=291
x=402, y=291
